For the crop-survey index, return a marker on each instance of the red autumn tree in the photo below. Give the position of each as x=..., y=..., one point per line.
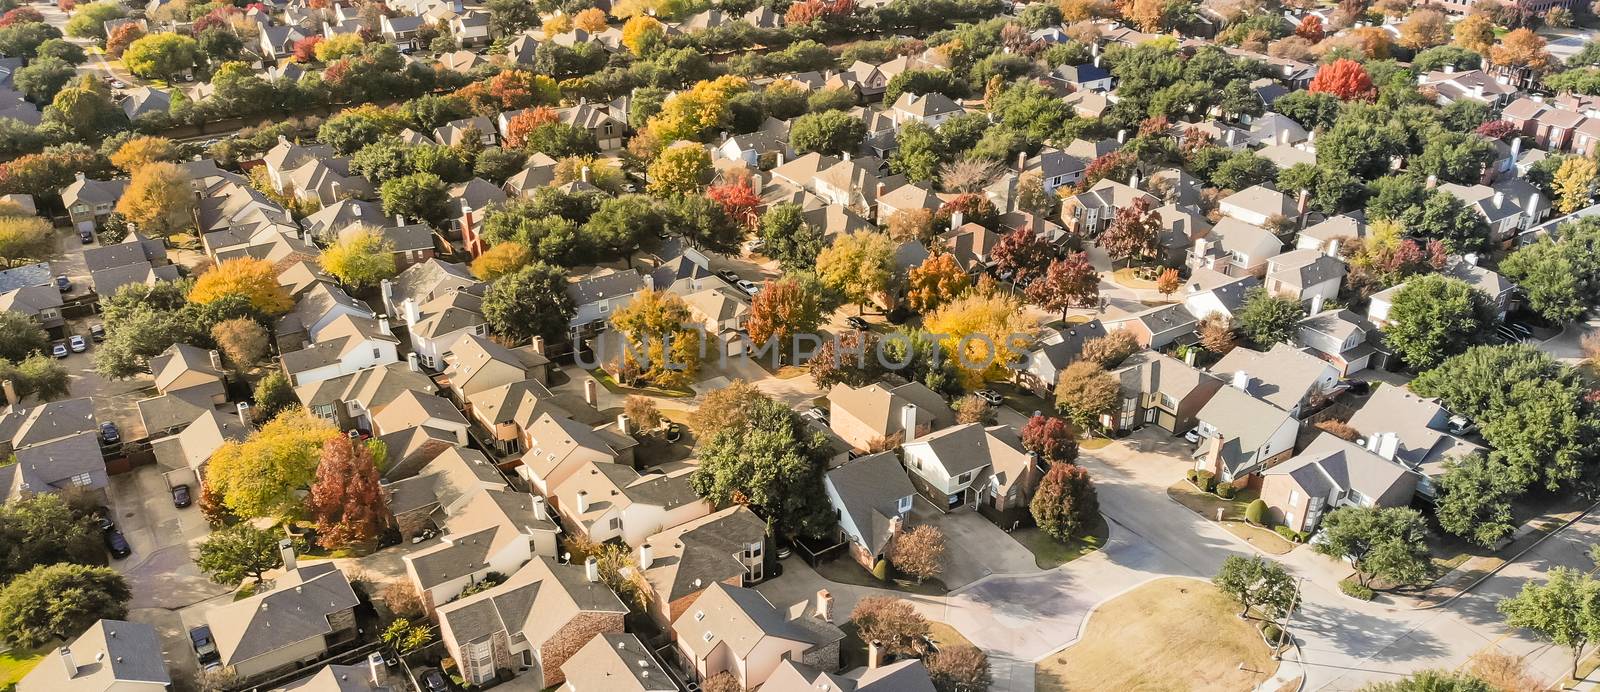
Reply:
x=1022, y=254
x=1066, y=504
x=802, y=13
x=305, y=50
x=513, y=89
x=520, y=125
x=1050, y=437
x=1134, y=232
x=974, y=208
x=1310, y=29
x=346, y=500
x=1496, y=129
x=1115, y=165
x=121, y=36
x=1345, y=79
x=1070, y=281
x=738, y=200
x=21, y=15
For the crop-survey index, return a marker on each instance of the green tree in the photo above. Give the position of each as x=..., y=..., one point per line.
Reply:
x=1085, y=391
x=772, y=462
x=916, y=155
x=532, y=302
x=20, y=336
x=1456, y=157
x=88, y=21
x=1388, y=543
x=858, y=266
x=830, y=132
x=23, y=40
x=43, y=78
x=1475, y=496
x=361, y=257
x=1256, y=582
x=273, y=395
x=788, y=238
x=625, y=225
x=233, y=553
x=58, y=602
x=1434, y=317
x=1267, y=319
x=680, y=170
x=1432, y=680
x=1551, y=279
x=40, y=530
x=161, y=56
x=39, y=376
x=416, y=196
x=1564, y=610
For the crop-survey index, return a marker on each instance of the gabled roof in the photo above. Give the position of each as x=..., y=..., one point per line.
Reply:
x=1332, y=465
x=1282, y=376
x=615, y=662
x=869, y=490
x=108, y=655
x=686, y=558
x=295, y=610
x=1244, y=422
x=536, y=602
x=971, y=447
x=738, y=618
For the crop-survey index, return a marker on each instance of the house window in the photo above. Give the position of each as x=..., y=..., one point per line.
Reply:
x=82, y=479
x=616, y=523
x=966, y=477
x=1169, y=403
x=604, y=308
x=753, y=550
x=904, y=505
x=376, y=353
x=699, y=615
x=1294, y=497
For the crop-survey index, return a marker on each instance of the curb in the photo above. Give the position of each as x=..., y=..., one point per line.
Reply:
x=1513, y=558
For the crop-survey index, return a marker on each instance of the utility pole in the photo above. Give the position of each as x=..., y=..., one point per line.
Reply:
x=1283, y=628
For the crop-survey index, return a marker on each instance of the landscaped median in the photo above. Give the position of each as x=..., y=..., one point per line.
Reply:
x=1171, y=633
x=1233, y=516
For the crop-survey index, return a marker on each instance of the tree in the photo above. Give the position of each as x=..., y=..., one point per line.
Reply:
x=624, y=225
x=772, y=463
x=233, y=553
x=974, y=409
x=918, y=551
x=729, y=408
x=1475, y=32
x=935, y=282
x=1384, y=542
x=1065, y=504
x=1134, y=232
x=43, y=78
x=1256, y=582
x=1085, y=391
x=833, y=133
x=273, y=395
x=42, y=529
x=1549, y=276
x=981, y=332
x=1022, y=255
x=58, y=602
x=1310, y=28
x=501, y=259
x=531, y=302
x=1267, y=319
x=416, y=196
x=254, y=279
x=161, y=56
x=1564, y=610
x=1345, y=79
x=349, y=506
x=1424, y=29
x=361, y=257
x=783, y=309
x=1433, y=681
x=135, y=153
x=1070, y=281
x=339, y=46
x=653, y=324
x=642, y=411
x=406, y=637
x=1522, y=49
x=1216, y=334
x=1168, y=282
x=1110, y=350
x=88, y=21
x=641, y=34
x=680, y=170
x=243, y=342
x=1432, y=318
x=1049, y=437
x=917, y=153
x=121, y=37
x=158, y=200
x=1475, y=496
x=263, y=475
x=959, y=668
x=859, y=266
x=891, y=622
x=24, y=238
x=1574, y=183
x=789, y=239
x=739, y=202
x=1456, y=157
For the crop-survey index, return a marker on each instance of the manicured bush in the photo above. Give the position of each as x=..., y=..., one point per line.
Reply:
x=1256, y=512
x=1191, y=474
x=1357, y=590
x=1225, y=491
x=1203, y=480
x=1270, y=632
x=881, y=570
x=1287, y=533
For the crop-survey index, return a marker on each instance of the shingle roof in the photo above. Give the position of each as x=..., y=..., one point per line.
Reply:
x=296, y=610
x=870, y=488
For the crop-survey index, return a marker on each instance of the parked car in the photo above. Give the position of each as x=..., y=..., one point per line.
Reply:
x=433, y=681
x=118, y=84
x=97, y=332
x=77, y=343
x=85, y=235
x=63, y=284
x=857, y=322
x=205, y=648
x=749, y=287
x=990, y=396
x=109, y=433
x=1193, y=436
x=816, y=414
x=729, y=276
x=59, y=350
x=180, y=496
x=117, y=543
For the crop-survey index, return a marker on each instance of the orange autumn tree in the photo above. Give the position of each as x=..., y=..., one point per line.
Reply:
x=349, y=505
x=1345, y=79
x=738, y=200
x=522, y=123
x=1522, y=49
x=1310, y=29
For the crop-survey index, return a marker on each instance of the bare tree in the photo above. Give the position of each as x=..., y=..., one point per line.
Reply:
x=959, y=668
x=919, y=551
x=891, y=622
x=968, y=175
x=974, y=410
x=643, y=412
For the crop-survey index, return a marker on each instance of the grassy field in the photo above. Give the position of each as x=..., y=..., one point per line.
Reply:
x=15, y=664
x=1048, y=553
x=1170, y=634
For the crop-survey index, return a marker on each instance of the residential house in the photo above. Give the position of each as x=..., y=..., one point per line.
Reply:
x=770, y=139
x=1505, y=215
x=308, y=614
x=346, y=345
x=1056, y=349
x=1241, y=435
x=1089, y=212
x=1159, y=327
x=421, y=283
x=904, y=675
x=595, y=296
x=531, y=624
x=471, y=29
x=1087, y=77
x=182, y=458
x=42, y=303
x=349, y=401
x=141, y=102
x=876, y=417
x=1343, y=339
x=557, y=448
x=435, y=327
x=1559, y=124
x=189, y=382
x=402, y=31
x=1057, y=169
x=1160, y=389
x=1285, y=376
x=507, y=412
x=417, y=409
x=319, y=305
x=1414, y=431
x=605, y=501
x=973, y=466
x=480, y=129
x=477, y=364
x=1500, y=293
x=608, y=131
x=1258, y=205
x=726, y=547
x=872, y=497
x=277, y=42
x=1308, y=276
x=1181, y=225
x=110, y=656
x=1327, y=235
x=1235, y=248
x=369, y=677
x=615, y=662
x=738, y=631
x=89, y=202
x=930, y=109
x=56, y=447
x=1449, y=86
x=1329, y=474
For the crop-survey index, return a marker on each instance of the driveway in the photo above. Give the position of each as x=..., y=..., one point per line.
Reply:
x=974, y=547
x=161, y=569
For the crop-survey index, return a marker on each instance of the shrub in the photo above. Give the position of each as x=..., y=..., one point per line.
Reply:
x=881, y=570
x=1357, y=590
x=1203, y=480
x=1225, y=491
x=1270, y=632
x=1256, y=512
x=1287, y=533
x=1191, y=474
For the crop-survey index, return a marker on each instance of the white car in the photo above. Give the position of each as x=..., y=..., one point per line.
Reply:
x=749, y=286
x=1193, y=436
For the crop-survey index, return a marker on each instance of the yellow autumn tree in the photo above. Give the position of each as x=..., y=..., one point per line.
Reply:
x=663, y=351
x=255, y=279
x=591, y=20
x=938, y=280
x=158, y=200
x=858, y=266
x=683, y=168
x=1149, y=15
x=1574, y=183
x=136, y=152
x=361, y=257
x=263, y=475
x=981, y=332
x=691, y=113
x=500, y=260
x=1522, y=49
x=557, y=24
x=641, y=32
x=1475, y=32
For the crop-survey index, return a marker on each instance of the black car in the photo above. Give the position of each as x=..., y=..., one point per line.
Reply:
x=109, y=433
x=857, y=322
x=205, y=648
x=433, y=681
x=117, y=543
x=86, y=236
x=180, y=496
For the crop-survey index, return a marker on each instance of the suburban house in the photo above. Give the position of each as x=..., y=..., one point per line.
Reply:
x=56, y=446
x=89, y=202
x=1053, y=352
x=1308, y=276
x=615, y=662
x=606, y=501
x=1162, y=390
x=189, y=382
x=42, y=303
x=421, y=283
x=727, y=547
x=414, y=409
x=1285, y=376
x=1327, y=235
x=930, y=109
x=737, y=630
x=904, y=675
x=1159, y=327
x=1241, y=435
x=1559, y=124
x=595, y=296
x=1213, y=293
x=974, y=467
x=347, y=344
x=556, y=448
x=1418, y=430
x=1332, y=473
x=349, y=401
x=110, y=656
x=1258, y=205
x=182, y=458
x=308, y=614
x=872, y=497
x=530, y=624
x=507, y=412
x=435, y=327
x=875, y=416
x=1089, y=212
x=1343, y=339
x=478, y=364
x=1235, y=248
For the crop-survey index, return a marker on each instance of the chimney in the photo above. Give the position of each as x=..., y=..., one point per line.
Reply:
x=624, y=424
x=1122, y=136
x=646, y=556
x=1283, y=136
x=591, y=570
x=412, y=313
x=66, y=654
x=538, y=345
x=591, y=392
x=1241, y=381
x=1333, y=248
x=846, y=156
x=80, y=177
x=1431, y=182
x=1232, y=134
x=824, y=605
x=583, y=501
x=413, y=363
x=583, y=174
x=1533, y=205
x=1303, y=201
x=1470, y=258
x=1022, y=160
x=1449, y=69
x=540, y=512
x=1499, y=199
x=779, y=160
x=874, y=654
x=385, y=289
x=1516, y=148
x=1096, y=61
x=10, y=389
x=216, y=359
x=383, y=324
x=244, y=413
x=755, y=183
x=1188, y=358
x=1316, y=304
x=286, y=549
x=1388, y=444
x=958, y=219
x=376, y=669
x=399, y=220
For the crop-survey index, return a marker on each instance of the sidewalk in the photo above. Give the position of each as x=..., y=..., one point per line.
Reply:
x=1480, y=567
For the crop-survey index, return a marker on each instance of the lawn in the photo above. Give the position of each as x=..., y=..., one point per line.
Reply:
x=15, y=664
x=617, y=388
x=1206, y=505
x=1049, y=553
x=845, y=571
x=1128, y=277
x=1170, y=634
